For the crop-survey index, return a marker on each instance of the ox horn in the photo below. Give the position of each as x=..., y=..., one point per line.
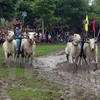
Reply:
x=87, y=40
x=96, y=39
x=27, y=35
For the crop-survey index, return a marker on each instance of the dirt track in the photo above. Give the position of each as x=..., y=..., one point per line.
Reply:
x=55, y=68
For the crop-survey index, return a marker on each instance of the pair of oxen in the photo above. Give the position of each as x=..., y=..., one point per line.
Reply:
x=82, y=50
x=22, y=46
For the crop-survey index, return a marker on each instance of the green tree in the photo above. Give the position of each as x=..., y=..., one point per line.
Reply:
x=71, y=12
x=44, y=9
x=96, y=10
x=6, y=9
x=25, y=6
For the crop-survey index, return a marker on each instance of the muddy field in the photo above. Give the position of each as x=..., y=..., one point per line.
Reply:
x=77, y=86
x=72, y=86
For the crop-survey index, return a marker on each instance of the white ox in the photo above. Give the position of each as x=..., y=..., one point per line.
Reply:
x=9, y=46
x=73, y=49
x=28, y=47
x=90, y=52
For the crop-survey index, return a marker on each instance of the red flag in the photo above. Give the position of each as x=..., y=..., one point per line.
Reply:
x=94, y=24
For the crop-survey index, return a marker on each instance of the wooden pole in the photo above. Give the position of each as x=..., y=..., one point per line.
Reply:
x=94, y=33
x=86, y=35
x=43, y=28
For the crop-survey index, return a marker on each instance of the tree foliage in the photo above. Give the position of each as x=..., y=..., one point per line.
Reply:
x=96, y=10
x=71, y=11
x=44, y=9
x=6, y=9
x=54, y=12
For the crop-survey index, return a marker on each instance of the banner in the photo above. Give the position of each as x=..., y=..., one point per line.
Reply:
x=94, y=24
x=87, y=22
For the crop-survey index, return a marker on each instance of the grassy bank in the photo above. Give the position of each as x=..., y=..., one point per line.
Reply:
x=45, y=49
x=23, y=87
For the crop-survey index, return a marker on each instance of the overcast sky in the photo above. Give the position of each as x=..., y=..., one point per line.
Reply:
x=90, y=3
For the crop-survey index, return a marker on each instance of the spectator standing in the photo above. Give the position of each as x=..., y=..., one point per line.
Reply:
x=49, y=38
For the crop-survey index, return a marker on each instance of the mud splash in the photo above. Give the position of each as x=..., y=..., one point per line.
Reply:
x=54, y=67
